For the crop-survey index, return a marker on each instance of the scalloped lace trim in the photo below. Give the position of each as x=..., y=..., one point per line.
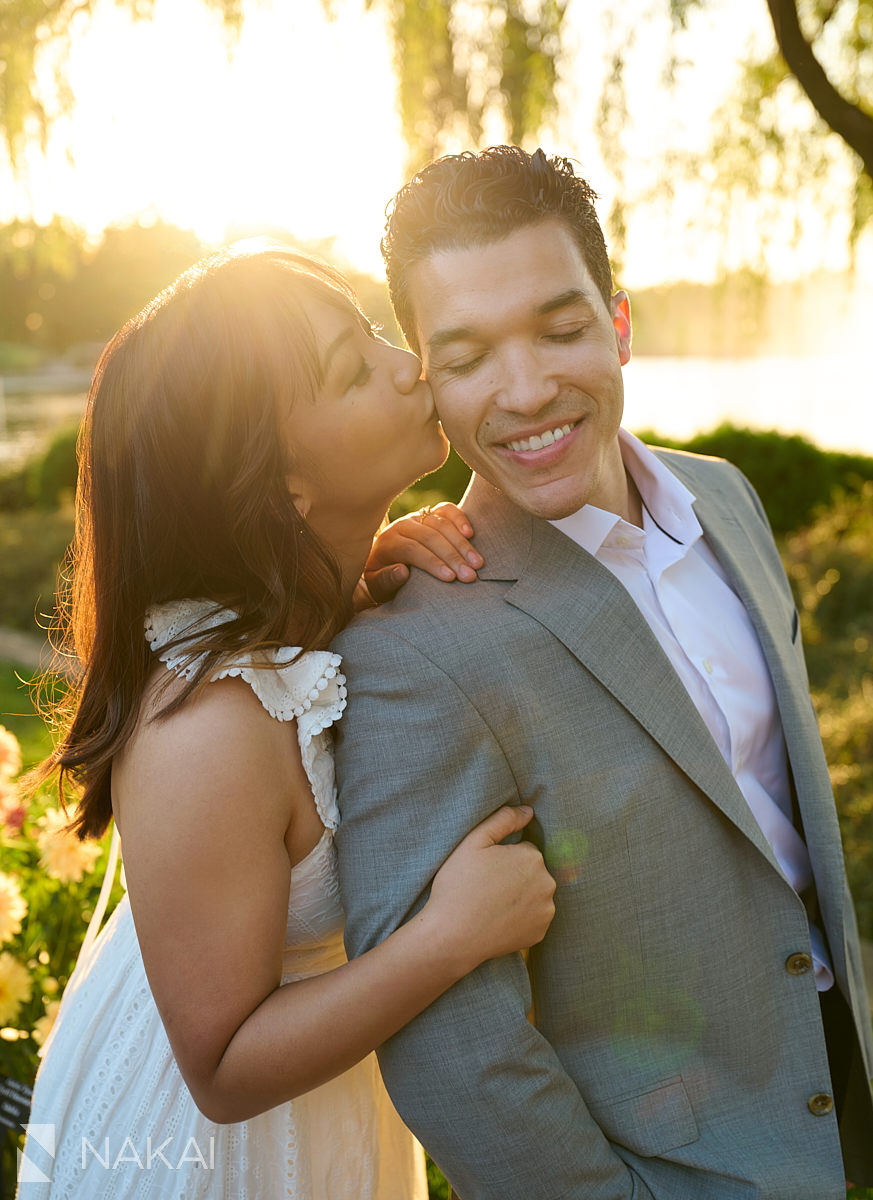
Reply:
x=308, y=688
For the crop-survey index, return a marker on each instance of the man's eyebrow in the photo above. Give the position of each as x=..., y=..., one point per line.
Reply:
x=564, y=300
x=444, y=337
x=334, y=346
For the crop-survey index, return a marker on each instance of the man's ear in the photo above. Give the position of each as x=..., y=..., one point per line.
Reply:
x=621, y=321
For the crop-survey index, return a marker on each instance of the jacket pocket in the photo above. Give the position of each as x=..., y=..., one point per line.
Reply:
x=649, y=1123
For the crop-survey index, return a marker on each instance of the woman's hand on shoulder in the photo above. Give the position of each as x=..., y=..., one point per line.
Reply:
x=490, y=899
x=435, y=540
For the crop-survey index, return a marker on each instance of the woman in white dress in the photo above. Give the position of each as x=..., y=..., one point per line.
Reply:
x=243, y=438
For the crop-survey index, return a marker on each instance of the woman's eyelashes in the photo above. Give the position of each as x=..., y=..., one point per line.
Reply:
x=362, y=375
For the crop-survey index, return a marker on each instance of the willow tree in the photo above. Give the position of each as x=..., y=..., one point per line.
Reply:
x=473, y=69
x=824, y=52
x=461, y=64
x=29, y=28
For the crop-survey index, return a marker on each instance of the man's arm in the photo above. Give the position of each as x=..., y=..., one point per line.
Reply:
x=418, y=766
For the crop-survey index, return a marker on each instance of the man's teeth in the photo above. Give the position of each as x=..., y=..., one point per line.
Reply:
x=541, y=439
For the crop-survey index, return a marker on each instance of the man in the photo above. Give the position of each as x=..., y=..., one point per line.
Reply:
x=629, y=662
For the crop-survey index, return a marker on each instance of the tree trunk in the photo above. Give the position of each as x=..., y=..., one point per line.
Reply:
x=852, y=124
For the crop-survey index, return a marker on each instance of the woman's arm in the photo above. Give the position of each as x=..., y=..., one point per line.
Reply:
x=209, y=801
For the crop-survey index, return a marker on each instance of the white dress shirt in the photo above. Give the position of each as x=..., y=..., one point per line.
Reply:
x=703, y=628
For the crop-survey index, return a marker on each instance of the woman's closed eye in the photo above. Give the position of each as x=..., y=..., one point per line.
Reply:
x=362, y=376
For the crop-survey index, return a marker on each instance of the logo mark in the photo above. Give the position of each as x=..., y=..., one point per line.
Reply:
x=44, y=1137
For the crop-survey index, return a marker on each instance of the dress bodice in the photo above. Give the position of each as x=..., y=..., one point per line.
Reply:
x=307, y=688
x=314, y=933
x=109, y=1079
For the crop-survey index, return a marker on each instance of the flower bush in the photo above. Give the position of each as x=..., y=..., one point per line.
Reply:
x=49, y=883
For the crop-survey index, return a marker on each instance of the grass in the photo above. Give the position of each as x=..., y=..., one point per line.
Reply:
x=17, y=713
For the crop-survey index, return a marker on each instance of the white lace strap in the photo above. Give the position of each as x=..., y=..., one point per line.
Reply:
x=103, y=899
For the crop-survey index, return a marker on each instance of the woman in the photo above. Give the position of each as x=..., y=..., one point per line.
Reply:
x=243, y=438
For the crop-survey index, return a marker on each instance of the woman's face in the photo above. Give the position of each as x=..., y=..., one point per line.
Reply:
x=371, y=431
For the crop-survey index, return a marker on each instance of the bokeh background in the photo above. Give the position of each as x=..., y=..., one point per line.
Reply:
x=730, y=143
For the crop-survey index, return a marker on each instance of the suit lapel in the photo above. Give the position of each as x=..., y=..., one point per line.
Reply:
x=751, y=575
x=579, y=601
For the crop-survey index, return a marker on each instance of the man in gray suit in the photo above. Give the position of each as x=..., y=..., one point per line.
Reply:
x=695, y=1025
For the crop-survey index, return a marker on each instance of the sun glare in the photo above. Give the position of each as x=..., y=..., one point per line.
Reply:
x=292, y=127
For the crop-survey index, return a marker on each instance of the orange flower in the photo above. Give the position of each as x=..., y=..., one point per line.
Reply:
x=42, y=1026
x=13, y=908
x=10, y=754
x=15, y=987
x=62, y=855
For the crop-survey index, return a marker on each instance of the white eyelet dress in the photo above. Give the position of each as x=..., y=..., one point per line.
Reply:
x=109, y=1095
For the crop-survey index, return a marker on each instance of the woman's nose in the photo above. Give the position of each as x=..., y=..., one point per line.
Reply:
x=407, y=369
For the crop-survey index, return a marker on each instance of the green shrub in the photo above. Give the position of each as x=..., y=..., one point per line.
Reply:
x=32, y=544
x=830, y=565
x=448, y=482
x=793, y=476
x=14, y=490
x=52, y=476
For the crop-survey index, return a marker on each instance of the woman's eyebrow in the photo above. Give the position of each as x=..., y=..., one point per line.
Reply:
x=334, y=346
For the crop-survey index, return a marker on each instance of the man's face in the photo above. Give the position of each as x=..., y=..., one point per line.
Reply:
x=525, y=360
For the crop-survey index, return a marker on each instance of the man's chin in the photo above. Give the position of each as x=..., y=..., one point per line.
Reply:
x=540, y=502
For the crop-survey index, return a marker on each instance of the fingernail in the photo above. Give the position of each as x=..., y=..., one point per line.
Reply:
x=446, y=573
x=467, y=530
x=475, y=560
x=466, y=574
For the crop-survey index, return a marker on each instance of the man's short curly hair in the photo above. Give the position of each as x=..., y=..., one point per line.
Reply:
x=472, y=199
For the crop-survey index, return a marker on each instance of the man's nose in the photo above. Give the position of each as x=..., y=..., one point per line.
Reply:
x=526, y=384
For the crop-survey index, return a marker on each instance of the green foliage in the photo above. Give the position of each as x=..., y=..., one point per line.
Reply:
x=792, y=475
x=27, y=28
x=59, y=291
x=830, y=565
x=447, y=483
x=47, y=481
x=59, y=905
x=437, y=1188
x=32, y=544
x=14, y=492
x=53, y=475
x=456, y=67
x=784, y=155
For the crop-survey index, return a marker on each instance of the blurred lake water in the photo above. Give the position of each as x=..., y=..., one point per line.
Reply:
x=826, y=398
x=28, y=422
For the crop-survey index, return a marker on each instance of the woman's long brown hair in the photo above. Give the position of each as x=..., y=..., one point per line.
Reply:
x=182, y=494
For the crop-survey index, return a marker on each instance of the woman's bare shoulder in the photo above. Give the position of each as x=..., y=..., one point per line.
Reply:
x=220, y=743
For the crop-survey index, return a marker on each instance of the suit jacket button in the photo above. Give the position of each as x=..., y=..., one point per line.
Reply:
x=820, y=1104
x=798, y=964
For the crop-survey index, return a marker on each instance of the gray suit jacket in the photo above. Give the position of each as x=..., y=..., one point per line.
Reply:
x=674, y=1054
